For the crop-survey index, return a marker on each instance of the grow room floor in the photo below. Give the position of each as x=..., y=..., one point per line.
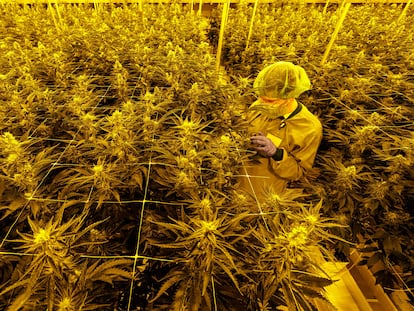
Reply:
x=355, y=289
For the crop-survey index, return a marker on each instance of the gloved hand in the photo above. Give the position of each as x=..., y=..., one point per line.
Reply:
x=263, y=145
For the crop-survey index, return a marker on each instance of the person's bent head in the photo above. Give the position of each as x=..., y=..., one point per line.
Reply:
x=281, y=80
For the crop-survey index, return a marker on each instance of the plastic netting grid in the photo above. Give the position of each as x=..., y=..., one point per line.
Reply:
x=136, y=256
x=104, y=93
x=103, y=90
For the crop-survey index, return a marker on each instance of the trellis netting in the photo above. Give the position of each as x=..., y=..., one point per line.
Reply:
x=121, y=144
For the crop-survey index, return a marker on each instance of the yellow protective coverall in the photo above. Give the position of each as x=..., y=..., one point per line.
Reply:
x=300, y=134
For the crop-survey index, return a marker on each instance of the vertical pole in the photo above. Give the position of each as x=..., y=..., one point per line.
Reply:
x=336, y=31
x=58, y=11
x=224, y=15
x=141, y=10
x=51, y=10
x=325, y=7
x=341, y=7
x=404, y=12
x=251, y=23
x=200, y=8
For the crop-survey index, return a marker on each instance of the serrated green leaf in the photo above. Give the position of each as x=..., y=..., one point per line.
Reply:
x=312, y=280
x=15, y=285
x=374, y=259
x=392, y=244
x=138, y=179
x=20, y=300
x=174, y=279
x=368, y=249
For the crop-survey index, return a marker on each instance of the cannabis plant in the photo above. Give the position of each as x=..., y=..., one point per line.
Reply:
x=121, y=148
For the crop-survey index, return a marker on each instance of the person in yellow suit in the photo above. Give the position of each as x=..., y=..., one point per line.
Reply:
x=285, y=134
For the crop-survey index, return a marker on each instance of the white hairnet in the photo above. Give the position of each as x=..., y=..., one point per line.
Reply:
x=282, y=80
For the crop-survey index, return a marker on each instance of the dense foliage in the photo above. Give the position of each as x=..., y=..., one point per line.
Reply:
x=120, y=147
x=364, y=96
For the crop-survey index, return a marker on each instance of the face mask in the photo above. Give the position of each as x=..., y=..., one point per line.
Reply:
x=273, y=109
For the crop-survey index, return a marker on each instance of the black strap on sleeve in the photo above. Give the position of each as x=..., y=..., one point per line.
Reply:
x=278, y=156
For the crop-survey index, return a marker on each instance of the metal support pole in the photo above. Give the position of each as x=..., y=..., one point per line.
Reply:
x=224, y=16
x=251, y=23
x=404, y=12
x=200, y=8
x=335, y=33
x=325, y=7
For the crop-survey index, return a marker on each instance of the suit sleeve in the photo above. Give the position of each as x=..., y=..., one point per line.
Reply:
x=298, y=157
